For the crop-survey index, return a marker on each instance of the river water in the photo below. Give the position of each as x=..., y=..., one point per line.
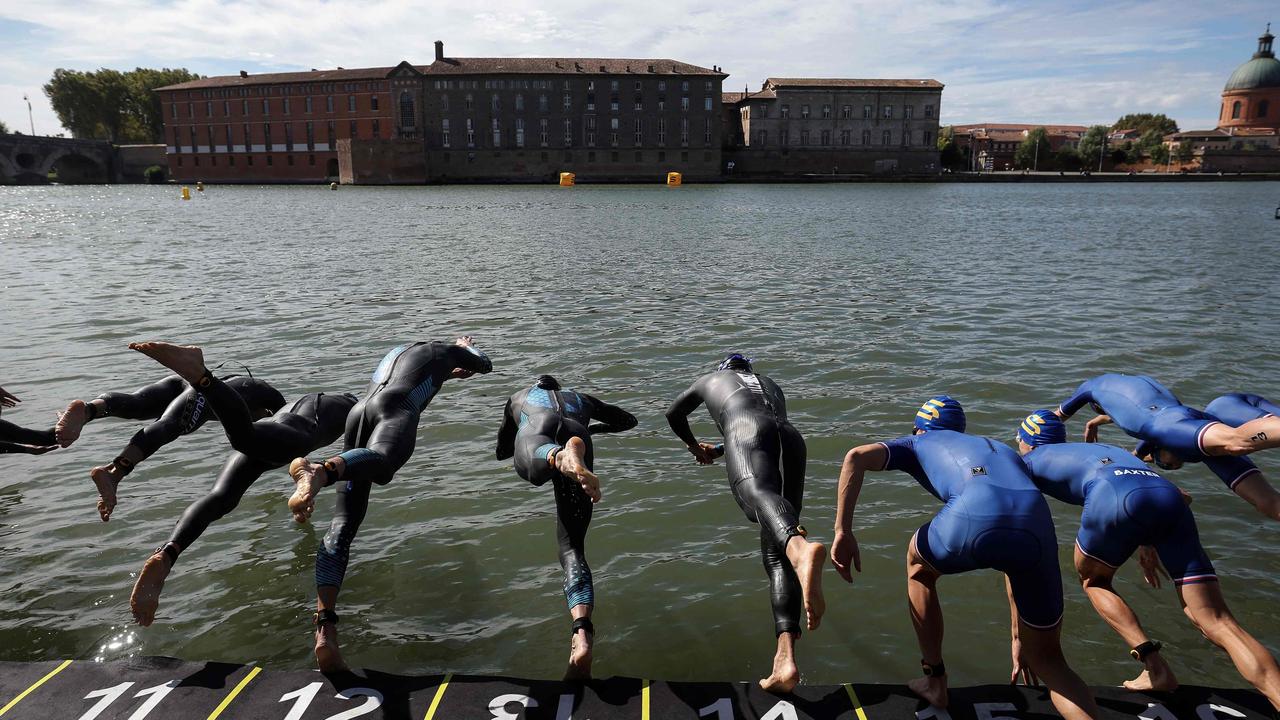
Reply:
x=861, y=301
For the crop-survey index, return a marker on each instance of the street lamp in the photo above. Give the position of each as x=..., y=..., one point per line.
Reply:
x=30, y=117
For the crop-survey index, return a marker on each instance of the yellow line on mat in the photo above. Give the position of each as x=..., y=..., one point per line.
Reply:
x=857, y=704
x=37, y=684
x=644, y=700
x=227, y=700
x=435, y=701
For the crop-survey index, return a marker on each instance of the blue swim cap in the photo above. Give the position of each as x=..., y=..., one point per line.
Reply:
x=941, y=412
x=735, y=361
x=1042, y=427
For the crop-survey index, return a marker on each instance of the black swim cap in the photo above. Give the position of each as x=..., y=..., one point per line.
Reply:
x=547, y=382
x=735, y=361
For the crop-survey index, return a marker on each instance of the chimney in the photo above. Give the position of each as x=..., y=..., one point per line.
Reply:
x=439, y=50
x=244, y=74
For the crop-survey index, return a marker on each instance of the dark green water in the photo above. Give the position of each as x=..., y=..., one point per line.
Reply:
x=861, y=301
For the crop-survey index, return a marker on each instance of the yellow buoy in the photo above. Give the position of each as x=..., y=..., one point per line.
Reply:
x=674, y=179
x=186, y=193
x=567, y=179
x=199, y=186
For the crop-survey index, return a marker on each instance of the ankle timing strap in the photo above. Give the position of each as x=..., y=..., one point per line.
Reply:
x=205, y=380
x=1141, y=652
x=170, y=550
x=124, y=464
x=323, y=617
x=938, y=670
x=583, y=624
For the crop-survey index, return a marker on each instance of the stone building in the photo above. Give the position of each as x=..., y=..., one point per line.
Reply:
x=796, y=126
x=455, y=120
x=992, y=146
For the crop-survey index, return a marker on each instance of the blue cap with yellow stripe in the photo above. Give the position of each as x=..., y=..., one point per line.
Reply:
x=1042, y=427
x=941, y=412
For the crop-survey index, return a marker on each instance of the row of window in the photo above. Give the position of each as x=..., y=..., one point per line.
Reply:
x=846, y=138
x=231, y=160
x=846, y=111
x=567, y=156
x=1260, y=111
x=589, y=128
x=286, y=106
x=215, y=134
x=282, y=90
x=614, y=85
x=544, y=104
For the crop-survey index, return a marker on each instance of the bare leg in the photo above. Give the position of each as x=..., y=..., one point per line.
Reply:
x=1205, y=605
x=185, y=360
x=1255, y=435
x=926, y=618
x=786, y=675
x=70, y=422
x=145, y=599
x=808, y=558
x=580, y=647
x=572, y=463
x=1096, y=578
x=328, y=654
x=1258, y=492
x=1043, y=652
x=309, y=478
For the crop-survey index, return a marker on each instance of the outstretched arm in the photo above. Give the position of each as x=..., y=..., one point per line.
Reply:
x=678, y=414
x=467, y=359
x=612, y=418
x=844, y=549
x=8, y=399
x=507, y=434
x=18, y=448
x=1082, y=395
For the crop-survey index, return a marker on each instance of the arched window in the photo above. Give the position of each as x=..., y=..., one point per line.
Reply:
x=1235, y=110
x=406, y=109
x=1263, y=106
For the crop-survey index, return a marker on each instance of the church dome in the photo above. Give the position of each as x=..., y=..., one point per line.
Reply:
x=1262, y=71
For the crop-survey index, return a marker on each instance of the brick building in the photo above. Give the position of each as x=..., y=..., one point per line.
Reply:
x=993, y=145
x=457, y=119
x=835, y=125
x=1251, y=98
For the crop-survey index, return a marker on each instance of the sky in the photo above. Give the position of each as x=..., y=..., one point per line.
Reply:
x=1057, y=62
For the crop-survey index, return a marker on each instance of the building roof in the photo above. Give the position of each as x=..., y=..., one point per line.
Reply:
x=244, y=79
x=1262, y=71
x=565, y=66
x=851, y=83
x=1021, y=127
x=1188, y=134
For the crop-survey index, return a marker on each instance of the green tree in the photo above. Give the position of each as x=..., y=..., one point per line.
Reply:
x=1146, y=121
x=1185, y=151
x=1090, y=147
x=1159, y=155
x=1067, y=158
x=1033, y=151
x=4, y=129
x=112, y=105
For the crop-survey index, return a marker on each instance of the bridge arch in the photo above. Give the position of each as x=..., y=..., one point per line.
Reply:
x=74, y=167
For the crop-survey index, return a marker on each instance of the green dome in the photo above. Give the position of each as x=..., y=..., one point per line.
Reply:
x=1260, y=72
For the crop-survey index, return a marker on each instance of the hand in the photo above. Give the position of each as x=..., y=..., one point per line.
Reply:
x=461, y=374
x=35, y=449
x=704, y=453
x=1021, y=670
x=1151, y=567
x=1091, y=427
x=8, y=399
x=843, y=550
x=464, y=341
x=1186, y=496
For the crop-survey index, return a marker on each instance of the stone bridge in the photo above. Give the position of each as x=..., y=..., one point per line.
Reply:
x=28, y=159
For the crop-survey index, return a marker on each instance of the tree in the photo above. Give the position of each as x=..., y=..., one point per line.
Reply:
x=1159, y=155
x=1033, y=151
x=1146, y=121
x=112, y=105
x=1184, y=151
x=1067, y=158
x=4, y=129
x=1090, y=147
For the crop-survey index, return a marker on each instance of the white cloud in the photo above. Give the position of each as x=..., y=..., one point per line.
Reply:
x=1000, y=59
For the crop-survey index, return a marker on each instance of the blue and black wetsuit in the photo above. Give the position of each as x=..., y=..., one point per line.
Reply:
x=994, y=516
x=1126, y=504
x=1147, y=410
x=313, y=421
x=381, y=431
x=1236, y=409
x=537, y=420
x=765, y=457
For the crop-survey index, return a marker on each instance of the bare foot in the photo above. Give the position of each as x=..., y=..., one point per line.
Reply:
x=932, y=689
x=571, y=462
x=185, y=360
x=70, y=422
x=328, y=655
x=146, y=591
x=785, y=675
x=1148, y=681
x=579, y=656
x=809, y=573
x=107, y=480
x=308, y=478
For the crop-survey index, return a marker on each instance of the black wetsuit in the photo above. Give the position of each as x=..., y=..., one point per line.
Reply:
x=535, y=421
x=313, y=421
x=17, y=439
x=380, y=435
x=765, y=457
x=177, y=408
